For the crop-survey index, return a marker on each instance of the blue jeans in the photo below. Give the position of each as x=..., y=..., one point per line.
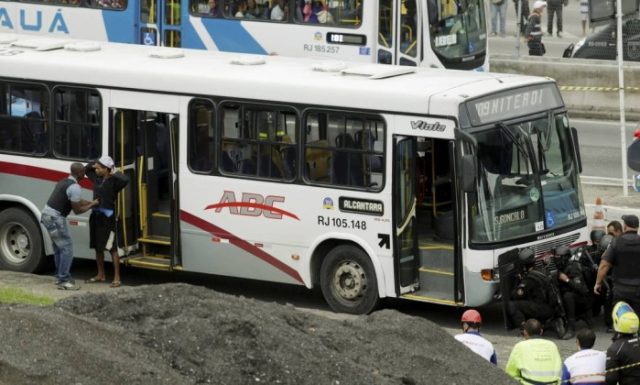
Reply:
x=501, y=11
x=56, y=226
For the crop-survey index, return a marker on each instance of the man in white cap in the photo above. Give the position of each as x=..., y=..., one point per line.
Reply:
x=102, y=223
x=533, y=32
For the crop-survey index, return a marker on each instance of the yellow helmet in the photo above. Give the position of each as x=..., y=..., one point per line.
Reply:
x=625, y=320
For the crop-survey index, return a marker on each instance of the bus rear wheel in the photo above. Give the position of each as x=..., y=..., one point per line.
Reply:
x=20, y=242
x=348, y=281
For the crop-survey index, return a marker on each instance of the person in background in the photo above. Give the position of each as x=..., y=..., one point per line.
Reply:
x=64, y=198
x=471, y=338
x=498, y=16
x=625, y=348
x=614, y=228
x=534, y=360
x=278, y=11
x=584, y=14
x=533, y=33
x=555, y=8
x=622, y=256
x=102, y=223
x=242, y=8
x=587, y=366
x=213, y=8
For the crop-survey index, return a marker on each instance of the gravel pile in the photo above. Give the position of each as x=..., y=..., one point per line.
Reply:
x=183, y=334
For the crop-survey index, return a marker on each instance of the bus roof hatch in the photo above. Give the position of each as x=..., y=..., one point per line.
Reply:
x=378, y=72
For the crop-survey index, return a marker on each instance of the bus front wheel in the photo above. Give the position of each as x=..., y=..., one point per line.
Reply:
x=20, y=242
x=348, y=281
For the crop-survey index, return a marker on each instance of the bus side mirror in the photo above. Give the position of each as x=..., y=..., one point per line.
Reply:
x=469, y=172
x=576, y=144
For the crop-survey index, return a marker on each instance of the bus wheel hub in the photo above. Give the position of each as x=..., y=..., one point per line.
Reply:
x=349, y=280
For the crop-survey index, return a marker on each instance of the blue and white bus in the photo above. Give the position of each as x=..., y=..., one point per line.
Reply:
x=434, y=33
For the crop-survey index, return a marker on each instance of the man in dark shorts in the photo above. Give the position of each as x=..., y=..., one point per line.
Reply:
x=102, y=223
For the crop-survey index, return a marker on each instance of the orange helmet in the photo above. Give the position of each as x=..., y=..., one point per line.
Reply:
x=471, y=317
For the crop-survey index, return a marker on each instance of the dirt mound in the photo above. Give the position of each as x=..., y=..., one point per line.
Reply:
x=182, y=334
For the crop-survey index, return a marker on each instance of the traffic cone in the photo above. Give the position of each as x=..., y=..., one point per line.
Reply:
x=598, y=216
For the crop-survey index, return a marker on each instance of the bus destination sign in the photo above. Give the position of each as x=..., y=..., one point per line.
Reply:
x=513, y=103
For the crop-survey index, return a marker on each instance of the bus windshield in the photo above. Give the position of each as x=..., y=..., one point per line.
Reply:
x=527, y=180
x=458, y=28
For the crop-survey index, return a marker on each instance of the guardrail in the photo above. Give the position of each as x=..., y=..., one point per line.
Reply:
x=589, y=87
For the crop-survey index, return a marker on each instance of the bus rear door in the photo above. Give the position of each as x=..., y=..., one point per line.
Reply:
x=144, y=144
x=160, y=23
x=399, y=32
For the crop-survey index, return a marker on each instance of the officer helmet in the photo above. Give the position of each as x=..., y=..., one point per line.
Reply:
x=472, y=317
x=605, y=242
x=625, y=320
x=596, y=236
x=527, y=256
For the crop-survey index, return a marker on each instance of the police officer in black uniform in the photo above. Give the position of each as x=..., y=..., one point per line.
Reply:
x=622, y=255
x=624, y=352
x=573, y=289
x=531, y=298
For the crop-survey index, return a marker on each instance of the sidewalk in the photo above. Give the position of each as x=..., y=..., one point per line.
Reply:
x=614, y=203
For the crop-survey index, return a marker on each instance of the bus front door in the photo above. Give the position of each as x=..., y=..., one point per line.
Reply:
x=404, y=217
x=400, y=32
x=435, y=222
x=144, y=144
x=160, y=23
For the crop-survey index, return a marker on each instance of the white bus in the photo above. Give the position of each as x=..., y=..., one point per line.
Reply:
x=369, y=181
x=433, y=33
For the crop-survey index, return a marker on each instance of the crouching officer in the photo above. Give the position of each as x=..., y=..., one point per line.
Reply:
x=625, y=349
x=531, y=298
x=573, y=289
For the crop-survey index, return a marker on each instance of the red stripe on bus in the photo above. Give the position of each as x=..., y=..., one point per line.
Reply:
x=38, y=173
x=263, y=207
x=236, y=241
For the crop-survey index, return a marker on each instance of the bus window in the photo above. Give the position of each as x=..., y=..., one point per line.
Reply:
x=148, y=14
x=77, y=125
x=409, y=29
x=385, y=32
x=172, y=12
x=344, y=149
x=23, y=123
x=347, y=13
x=200, y=140
x=258, y=141
x=204, y=7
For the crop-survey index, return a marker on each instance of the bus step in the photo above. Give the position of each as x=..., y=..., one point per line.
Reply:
x=423, y=296
x=160, y=224
x=154, y=263
x=437, y=256
x=437, y=283
x=156, y=240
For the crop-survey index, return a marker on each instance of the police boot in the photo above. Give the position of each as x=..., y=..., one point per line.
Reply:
x=558, y=325
x=571, y=330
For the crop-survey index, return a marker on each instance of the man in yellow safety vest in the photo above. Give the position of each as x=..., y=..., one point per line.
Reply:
x=535, y=361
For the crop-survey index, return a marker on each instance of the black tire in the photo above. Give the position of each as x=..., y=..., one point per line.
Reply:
x=348, y=281
x=20, y=242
